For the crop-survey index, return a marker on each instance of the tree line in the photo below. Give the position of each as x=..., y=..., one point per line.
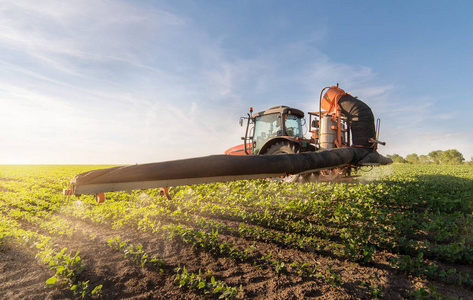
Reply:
x=447, y=157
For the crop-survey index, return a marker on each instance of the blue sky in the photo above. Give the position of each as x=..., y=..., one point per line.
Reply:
x=146, y=81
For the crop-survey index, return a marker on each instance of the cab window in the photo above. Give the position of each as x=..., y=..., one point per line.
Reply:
x=266, y=127
x=293, y=126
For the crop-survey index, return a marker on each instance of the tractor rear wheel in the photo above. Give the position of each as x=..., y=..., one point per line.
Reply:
x=287, y=147
x=282, y=148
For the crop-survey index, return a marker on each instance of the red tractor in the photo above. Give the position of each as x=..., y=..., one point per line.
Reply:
x=341, y=117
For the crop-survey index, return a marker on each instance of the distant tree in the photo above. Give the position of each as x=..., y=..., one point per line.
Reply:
x=436, y=156
x=452, y=157
x=424, y=159
x=397, y=158
x=412, y=158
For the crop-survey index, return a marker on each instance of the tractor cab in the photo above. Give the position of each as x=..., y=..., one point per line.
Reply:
x=275, y=123
x=275, y=130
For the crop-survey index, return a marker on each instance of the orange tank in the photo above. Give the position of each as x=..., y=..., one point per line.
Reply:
x=331, y=97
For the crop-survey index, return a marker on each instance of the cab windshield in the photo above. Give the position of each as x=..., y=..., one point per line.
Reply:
x=269, y=126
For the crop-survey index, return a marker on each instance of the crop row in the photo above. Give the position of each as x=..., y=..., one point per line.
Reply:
x=67, y=267
x=205, y=284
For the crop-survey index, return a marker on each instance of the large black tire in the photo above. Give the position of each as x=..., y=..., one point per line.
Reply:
x=287, y=147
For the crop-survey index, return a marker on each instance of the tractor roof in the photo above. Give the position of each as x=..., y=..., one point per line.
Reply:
x=282, y=109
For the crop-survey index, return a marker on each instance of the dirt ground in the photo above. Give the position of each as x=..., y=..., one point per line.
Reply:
x=22, y=276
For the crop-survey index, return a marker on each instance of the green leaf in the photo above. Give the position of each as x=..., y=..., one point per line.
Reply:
x=51, y=280
x=60, y=269
x=97, y=289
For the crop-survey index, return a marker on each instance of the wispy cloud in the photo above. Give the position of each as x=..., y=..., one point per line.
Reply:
x=77, y=35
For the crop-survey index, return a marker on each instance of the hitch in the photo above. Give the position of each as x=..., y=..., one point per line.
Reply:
x=68, y=192
x=373, y=141
x=165, y=191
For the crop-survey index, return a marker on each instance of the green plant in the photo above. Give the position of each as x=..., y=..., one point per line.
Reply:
x=278, y=266
x=67, y=268
x=304, y=269
x=335, y=280
x=421, y=293
x=136, y=253
x=376, y=290
x=199, y=282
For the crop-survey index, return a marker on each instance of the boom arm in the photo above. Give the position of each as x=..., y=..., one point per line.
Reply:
x=216, y=168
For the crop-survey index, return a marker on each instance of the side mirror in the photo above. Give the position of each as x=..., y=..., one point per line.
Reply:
x=241, y=122
x=315, y=123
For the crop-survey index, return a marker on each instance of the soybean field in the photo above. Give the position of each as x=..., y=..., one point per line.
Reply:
x=398, y=232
